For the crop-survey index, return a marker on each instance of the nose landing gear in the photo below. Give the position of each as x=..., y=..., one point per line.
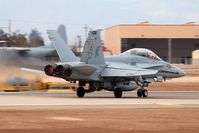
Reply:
x=142, y=92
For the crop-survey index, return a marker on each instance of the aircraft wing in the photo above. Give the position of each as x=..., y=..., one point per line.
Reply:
x=126, y=72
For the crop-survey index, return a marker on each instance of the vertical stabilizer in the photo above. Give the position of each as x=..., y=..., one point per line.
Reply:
x=93, y=52
x=63, y=50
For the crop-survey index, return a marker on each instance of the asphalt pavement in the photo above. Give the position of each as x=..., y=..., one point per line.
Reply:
x=102, y=99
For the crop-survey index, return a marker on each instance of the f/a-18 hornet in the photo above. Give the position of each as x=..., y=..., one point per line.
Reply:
x=131, y=70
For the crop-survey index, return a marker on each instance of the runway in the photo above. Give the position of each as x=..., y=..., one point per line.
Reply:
x=99, y=112
x=103, y=99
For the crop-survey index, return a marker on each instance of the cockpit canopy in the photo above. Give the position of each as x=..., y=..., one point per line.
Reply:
x=142, y=52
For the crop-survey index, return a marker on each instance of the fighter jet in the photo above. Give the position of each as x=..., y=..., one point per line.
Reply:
x=131, y=70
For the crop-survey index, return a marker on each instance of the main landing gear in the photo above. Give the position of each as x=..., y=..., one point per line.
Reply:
x=118, y=93
x=80, y=91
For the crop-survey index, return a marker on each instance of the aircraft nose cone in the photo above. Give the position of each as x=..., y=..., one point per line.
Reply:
x=181, y=73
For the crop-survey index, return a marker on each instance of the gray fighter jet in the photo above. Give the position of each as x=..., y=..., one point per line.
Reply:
x=131, y=70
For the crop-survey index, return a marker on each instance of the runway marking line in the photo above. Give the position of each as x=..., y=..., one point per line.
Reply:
x=64, y=118
x=167, y=104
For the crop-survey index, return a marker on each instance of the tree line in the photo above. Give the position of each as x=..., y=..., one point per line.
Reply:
x=18, y=39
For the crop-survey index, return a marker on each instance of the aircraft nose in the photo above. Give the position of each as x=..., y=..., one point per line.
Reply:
x=181, y=73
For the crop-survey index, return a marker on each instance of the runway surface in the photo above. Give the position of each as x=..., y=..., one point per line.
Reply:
x=49, y=100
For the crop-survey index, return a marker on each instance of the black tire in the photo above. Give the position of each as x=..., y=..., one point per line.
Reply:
x=80, y=91
x=118, y=93
x=139, y=93
x=144, y=93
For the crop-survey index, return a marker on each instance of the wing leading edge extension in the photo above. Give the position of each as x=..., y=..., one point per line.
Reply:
x=121, y=70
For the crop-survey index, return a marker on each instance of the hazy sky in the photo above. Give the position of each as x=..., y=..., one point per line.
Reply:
x=100, y=14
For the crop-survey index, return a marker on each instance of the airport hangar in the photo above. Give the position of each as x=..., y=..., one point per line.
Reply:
x=173, y=43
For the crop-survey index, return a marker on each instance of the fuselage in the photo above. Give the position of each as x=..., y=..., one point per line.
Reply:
x=165, y=69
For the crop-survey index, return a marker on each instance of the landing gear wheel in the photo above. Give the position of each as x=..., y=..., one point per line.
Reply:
x=80, y=91
x=142, y=93
x=139, y=93
x=118, y=93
